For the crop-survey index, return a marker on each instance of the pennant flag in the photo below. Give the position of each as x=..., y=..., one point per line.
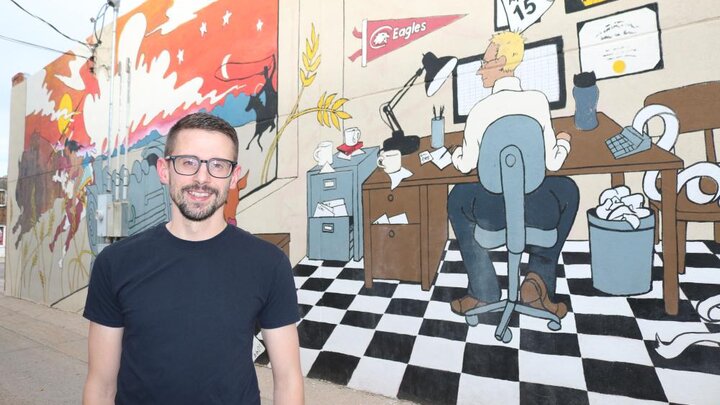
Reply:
x=523, y=13
x=384, y=36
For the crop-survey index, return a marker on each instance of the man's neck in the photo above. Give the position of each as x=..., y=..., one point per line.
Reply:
x=186, y=229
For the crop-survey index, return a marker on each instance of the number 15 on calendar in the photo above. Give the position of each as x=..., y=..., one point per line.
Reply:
x=523, y=13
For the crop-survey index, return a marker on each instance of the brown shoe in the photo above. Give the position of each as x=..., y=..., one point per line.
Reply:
x=533, y=292
x=462, y=305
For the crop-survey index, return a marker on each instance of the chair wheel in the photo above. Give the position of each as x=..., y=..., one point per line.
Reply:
x=552, y=325
x=507, y=336
x=472, y=320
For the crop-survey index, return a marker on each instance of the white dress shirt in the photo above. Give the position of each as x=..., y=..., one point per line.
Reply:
x=509, y=98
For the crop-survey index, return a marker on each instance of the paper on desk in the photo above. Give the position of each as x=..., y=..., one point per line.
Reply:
x=398, y=176
x=327, y=168
x=441, y=157
x=356, y=152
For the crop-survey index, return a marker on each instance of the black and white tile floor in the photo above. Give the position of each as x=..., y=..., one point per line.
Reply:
x=397, y=340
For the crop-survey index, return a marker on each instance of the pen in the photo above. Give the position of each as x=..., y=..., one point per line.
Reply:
x=451, y=149
x=442, y=109
x=434, y=114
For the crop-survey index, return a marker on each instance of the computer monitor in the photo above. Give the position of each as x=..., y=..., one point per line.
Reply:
x=542, y=68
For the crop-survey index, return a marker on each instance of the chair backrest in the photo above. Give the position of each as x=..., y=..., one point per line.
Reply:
x=521, y=131
x=697, y=108
x=512, y=162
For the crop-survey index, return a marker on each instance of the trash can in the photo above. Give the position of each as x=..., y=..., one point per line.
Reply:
x=621, y=257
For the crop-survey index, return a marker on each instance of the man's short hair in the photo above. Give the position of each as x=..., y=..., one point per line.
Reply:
x=201, y=120
x=511, y=45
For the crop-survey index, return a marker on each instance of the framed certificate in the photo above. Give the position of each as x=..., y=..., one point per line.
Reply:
x=621, y=44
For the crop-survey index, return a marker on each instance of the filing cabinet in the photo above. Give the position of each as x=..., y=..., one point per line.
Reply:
x=338, y=237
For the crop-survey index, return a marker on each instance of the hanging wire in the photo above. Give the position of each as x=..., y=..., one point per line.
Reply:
x=52, y=26
x=19, y=41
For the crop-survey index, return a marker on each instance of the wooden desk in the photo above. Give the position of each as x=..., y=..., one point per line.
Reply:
x=412, y=252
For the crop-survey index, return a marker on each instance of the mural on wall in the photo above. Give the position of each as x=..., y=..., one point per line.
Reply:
x=173, y=58
x=622, y=326
x=634, y=314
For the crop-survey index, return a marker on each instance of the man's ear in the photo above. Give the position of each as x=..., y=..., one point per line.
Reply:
x=163, y=170
x=235, y=176
x=502, y=61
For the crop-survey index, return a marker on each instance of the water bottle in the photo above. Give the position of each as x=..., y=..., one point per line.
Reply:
x=586, y=96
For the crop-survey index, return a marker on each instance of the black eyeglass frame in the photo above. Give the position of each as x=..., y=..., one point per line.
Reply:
x=172, y=158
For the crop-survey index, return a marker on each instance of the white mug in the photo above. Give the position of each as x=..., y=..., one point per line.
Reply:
x=324, y=153
x=351, y=136
x=390, y=160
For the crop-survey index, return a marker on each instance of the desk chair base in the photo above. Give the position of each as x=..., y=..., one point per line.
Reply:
x=502, y=332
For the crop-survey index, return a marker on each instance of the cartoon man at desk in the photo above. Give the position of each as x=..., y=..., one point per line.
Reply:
x=553, y=204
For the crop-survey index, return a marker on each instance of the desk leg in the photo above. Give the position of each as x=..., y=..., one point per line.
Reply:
x=433, y=230
x=367, y=240
x=669, y=241
x=617, y=179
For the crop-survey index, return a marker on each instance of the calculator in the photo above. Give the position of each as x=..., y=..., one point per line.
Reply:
x=628, y=142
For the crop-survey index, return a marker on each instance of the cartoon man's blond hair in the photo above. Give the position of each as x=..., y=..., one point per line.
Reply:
x=511, y=45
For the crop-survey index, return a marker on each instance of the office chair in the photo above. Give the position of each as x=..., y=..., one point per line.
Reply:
x=512, y=163
x=696, y=107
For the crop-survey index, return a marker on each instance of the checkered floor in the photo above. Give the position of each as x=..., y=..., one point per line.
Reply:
x=399, y=341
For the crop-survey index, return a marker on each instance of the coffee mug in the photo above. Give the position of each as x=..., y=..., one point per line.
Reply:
x=351, y=136
x=324, y=153
x=390, y=160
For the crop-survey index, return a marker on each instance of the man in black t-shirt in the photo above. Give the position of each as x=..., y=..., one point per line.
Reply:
x=173, y=309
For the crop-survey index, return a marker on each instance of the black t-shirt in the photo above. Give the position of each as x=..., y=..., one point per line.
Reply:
x=189, y=311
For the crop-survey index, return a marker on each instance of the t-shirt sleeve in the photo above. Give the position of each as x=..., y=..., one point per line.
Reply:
x=281, y=307
x=102, y=305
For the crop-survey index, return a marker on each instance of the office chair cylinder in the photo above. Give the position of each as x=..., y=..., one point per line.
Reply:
x=512, y=169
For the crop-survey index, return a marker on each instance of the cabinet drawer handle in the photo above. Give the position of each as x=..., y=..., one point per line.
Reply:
x=329, y=184
x=391, y=197
x=328, y=228
x=391, y=234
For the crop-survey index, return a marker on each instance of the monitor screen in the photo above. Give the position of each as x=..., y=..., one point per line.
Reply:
x=542, y=68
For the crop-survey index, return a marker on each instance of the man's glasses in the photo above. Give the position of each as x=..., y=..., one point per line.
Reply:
x=484, y=63
x=188, y=165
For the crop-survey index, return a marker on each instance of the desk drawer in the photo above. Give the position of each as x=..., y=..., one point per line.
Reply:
x=393, y=202
x=395, y=252
x=330, y=238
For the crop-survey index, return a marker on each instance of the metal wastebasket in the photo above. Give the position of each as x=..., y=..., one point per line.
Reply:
x=621, y=257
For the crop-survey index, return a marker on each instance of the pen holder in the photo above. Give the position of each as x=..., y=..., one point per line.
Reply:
x=437, y=132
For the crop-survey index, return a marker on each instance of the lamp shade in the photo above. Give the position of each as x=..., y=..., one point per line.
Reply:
x=437, y=70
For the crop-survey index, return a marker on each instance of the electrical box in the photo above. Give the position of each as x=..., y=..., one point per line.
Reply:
x=117, y=214
x=101, y=214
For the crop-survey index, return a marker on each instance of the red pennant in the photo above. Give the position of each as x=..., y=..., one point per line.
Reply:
x=384, y=36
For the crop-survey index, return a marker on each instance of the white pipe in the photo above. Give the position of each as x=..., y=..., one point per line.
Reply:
x=112, y=86
x=126, y=179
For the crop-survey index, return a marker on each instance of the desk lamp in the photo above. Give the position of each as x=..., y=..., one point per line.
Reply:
x=437, y=70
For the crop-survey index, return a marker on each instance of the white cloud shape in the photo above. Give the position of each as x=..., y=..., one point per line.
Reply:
x=74, y=81
x=181, y=12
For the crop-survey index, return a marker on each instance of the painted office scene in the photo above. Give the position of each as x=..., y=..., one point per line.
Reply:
x=504, y=202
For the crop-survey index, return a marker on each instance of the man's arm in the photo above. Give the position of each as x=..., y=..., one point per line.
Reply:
x=284, y=352
x=104, y=348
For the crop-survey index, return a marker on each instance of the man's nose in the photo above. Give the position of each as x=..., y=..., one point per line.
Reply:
x=203, y=172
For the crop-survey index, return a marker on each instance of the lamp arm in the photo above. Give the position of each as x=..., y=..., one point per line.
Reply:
x=388, y=107
x=392, y=120
x=404, y=89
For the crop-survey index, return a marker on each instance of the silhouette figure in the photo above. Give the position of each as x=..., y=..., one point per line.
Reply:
x=265, y=112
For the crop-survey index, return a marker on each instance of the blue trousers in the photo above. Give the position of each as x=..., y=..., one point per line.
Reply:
x=553, y=205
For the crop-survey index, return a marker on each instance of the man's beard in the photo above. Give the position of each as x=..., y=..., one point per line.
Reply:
x=196, y=214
